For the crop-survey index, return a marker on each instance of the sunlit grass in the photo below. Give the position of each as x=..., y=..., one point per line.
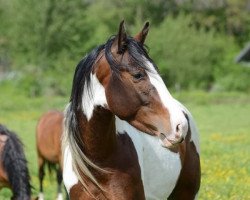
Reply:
x=225, y=167
x=20, y=114
x=224, y=134
x=225, y=146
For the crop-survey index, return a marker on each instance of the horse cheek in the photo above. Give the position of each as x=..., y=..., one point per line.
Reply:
x=122, y=100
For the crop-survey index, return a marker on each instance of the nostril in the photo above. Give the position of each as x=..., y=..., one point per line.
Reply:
x=178, y=128
x=178, y=132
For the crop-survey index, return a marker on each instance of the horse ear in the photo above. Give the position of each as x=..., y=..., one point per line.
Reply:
x=121, y=38
x=141, y=36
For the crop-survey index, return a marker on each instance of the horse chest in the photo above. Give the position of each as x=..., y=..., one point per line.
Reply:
x=123, y=182
x=160, y=168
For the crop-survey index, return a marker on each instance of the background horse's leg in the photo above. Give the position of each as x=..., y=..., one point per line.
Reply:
x=59, y=184
x=41, y=163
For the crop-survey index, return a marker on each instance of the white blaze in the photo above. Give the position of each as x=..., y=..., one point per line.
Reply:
x=175, y=111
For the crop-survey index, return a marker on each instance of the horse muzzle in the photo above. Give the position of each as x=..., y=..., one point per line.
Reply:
x=176, y=137
x=169, y=142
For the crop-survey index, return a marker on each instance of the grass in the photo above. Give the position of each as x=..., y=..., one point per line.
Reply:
x=225, y=146
x=20, y=114
x=223, y=121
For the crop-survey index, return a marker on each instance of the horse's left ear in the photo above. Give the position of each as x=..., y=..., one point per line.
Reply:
x=121, y=39
x=141, y=36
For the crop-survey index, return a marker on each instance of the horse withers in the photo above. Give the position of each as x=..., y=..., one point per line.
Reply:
x=14, y=172
x=125, y=136
x=48, y=142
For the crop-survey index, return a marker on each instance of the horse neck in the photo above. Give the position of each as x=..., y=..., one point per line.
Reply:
x=98, y=133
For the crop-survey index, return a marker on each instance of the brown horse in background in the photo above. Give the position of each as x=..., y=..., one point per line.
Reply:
x=14, y=172
x=48, y=141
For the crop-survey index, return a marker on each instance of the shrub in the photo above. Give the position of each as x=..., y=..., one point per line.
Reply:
x=188, y=58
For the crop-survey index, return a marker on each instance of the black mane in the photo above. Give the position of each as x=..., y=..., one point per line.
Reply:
x=82, y=76
x=15, y=165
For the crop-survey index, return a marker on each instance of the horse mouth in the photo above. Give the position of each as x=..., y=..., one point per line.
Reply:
x=169, y=143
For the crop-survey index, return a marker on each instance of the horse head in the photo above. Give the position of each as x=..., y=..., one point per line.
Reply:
x=126, y=81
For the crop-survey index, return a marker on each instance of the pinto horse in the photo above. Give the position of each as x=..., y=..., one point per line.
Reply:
x=14, y=172
x=125, y=136
x=48, y=141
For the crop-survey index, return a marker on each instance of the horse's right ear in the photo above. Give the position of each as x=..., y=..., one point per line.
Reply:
x=121, y=39
x=141, y=36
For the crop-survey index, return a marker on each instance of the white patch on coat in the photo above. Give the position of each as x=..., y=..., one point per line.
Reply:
x=69, y=176
x=160, y=168
x=93, y=95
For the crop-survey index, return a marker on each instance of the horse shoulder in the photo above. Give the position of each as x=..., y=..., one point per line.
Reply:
x=121, y=181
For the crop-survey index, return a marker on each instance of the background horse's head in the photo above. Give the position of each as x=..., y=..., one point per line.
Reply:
x=124, y=80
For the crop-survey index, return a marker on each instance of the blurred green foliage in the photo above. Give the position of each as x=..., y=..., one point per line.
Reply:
x=193, y=43
x=186, y=56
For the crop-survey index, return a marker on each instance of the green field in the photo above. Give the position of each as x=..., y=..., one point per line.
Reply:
x=223, y=121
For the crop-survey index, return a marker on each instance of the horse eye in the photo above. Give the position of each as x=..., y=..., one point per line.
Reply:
x=138, y=76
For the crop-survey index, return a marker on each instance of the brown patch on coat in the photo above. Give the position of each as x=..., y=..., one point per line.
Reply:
x=98, y=134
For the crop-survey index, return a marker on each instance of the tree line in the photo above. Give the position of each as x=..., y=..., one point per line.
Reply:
x=193, y=42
